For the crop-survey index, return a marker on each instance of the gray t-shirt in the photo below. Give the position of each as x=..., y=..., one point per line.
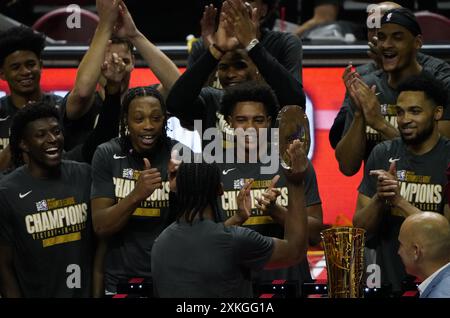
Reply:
x=207, y=259
x=233, y=178
x=422, y=183
x=47, y=223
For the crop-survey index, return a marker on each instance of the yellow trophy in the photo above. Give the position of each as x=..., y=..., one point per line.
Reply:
x=344, y=254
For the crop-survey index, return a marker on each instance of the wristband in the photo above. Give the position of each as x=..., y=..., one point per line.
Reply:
x=251, y=45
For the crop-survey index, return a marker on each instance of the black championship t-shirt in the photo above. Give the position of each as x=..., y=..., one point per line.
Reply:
x=422, y=183
x=387, y=98
x=48, y=224
x=114, y=175
x=8, y=110
x=233, y=177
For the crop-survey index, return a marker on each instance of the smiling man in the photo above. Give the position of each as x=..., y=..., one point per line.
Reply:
x=406, y=175
x=249, y=108
x=20, y=67
x=46, y=246
x=371, y=98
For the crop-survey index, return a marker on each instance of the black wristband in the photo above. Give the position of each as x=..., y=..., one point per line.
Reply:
x=218, y=49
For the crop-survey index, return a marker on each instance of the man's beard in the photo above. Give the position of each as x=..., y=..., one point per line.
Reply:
x=420, y=137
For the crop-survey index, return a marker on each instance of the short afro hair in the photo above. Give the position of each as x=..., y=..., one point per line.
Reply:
x=21, y=119
x=425, y=82
x=251, y=91
x=20, y=39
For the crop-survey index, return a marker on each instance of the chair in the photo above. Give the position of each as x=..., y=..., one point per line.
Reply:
x=435, y=27
x=54, y=24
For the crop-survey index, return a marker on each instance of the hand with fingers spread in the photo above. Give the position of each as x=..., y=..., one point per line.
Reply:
x=297, y=155
x=267, y=201
x=114, y=68
x=244, y=202
x=208, y=25
x=149, y=180
x=387, y=185
x=243, y=18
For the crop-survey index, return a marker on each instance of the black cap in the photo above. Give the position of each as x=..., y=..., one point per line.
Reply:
x=403, y=17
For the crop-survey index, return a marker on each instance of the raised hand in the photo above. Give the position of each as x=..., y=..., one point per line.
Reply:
x=244, y=202
x=114, y=68
x=369, y=103
x=224, y=37
x=268, y=199
x=348, y=78
x=149, y=180
x=297, y=155
x=243, y=18
x=125, y=26
x=108, y=11
x=208, y=25
x=374, y=51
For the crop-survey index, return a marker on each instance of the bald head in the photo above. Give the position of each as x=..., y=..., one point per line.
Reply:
x=430, y=231
x=387, y=5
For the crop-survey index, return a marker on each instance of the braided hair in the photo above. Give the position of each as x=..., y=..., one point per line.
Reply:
x=133, y=93
x=197, y=187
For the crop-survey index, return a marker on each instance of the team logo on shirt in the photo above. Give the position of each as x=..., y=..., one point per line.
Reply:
x=419, y=191
x=57, y=221
x=131, y=174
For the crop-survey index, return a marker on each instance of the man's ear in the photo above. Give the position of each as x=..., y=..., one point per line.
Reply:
x=220, y=189
x=438, y=112
x=24, y=146
x=418, y=42
x=417, y=252
x=133, y=61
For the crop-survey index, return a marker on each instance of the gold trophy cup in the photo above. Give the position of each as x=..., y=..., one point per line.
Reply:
x=344, y=254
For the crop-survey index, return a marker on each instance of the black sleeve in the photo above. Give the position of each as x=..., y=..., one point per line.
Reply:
x=288, y=89
x=107, y=126
x=337, y=129
x=196, y=52
x=183, y=100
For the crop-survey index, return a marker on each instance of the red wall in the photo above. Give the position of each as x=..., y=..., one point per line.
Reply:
x=326, y=91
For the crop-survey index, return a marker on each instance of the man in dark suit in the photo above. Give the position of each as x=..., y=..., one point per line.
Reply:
x=425, y=252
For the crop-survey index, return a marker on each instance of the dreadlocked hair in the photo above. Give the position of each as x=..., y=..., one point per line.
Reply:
x=133, y=93
x=21, y=119
x=197, y=187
